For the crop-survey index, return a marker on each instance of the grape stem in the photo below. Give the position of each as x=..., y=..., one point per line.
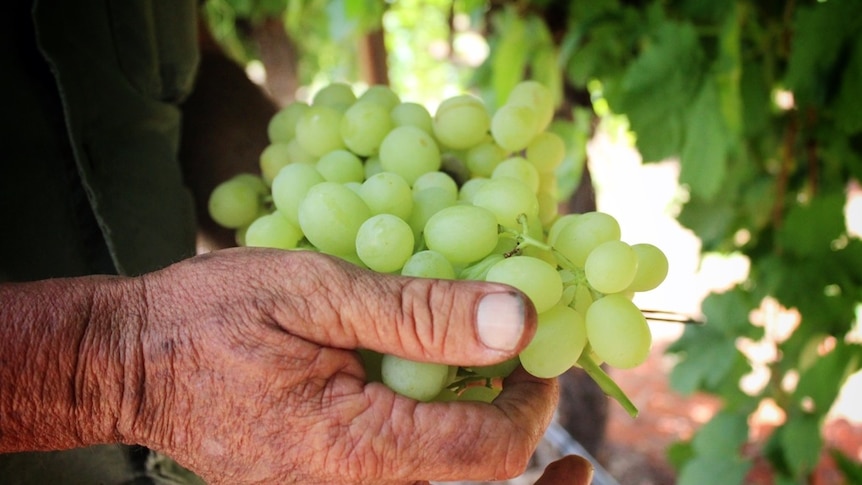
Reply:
x=605, y=382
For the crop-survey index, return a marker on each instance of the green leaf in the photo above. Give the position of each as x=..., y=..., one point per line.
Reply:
x=660, y=83
x=811, y=228
x=822, y=382
x=820, y=33
x=723, y=435
x=848, y=104
x=728, y=313
x=704, y=154
x=851, y=469
x=714, y=470
x=679, y=453
x=710, y=221
x=801, y=443
x=704, y=361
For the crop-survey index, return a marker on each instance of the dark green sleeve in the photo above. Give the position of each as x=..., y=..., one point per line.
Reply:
x=121, y=66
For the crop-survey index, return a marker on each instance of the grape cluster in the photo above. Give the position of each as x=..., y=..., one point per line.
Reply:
x=466, y=193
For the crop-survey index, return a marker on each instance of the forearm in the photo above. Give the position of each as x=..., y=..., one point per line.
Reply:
x=64, y=347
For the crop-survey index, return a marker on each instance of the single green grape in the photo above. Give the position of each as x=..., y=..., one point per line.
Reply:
x=581, y=235
x=387, y=193
x=428, y=264
x=363, y=127
x=290, y=186
x=461, y=121
x=560, y=338
x=520, y=169
x=273, y=230
x=536, y=95
x=409, y=152
x=611, y=266
x=330, y=215
x=341, y=166
x=536, y=278
x=382, y=95
x=338, y=96
x=446, y=232
x=412, y=114
x=507, y=199
x=421, y=381
x=234, y=203
x=618, y=332
x=317, y=130
x=546, y=151
x=384, y=243
x=652, y=267
x=513, y=126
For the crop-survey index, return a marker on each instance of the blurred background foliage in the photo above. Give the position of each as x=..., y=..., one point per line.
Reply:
x=758, y=101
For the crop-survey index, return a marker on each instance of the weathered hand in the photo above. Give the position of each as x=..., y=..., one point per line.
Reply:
x=246, y=373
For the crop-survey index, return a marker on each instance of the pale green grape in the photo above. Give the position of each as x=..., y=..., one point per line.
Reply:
x=235, y=203
x=384, y=243
x=421, y=381
x=256, y=182
x=461, y=122
x=330, y=215
x=426, y=203
x=436, y=179
x=479, y=394
x=446, y=395
x=341, y=166
x=536, y=278
x=272, y=159
x=469, y=188
x=536, y=95
x=363, y=127
x=548, y=184
x=518, y=168
x=387, y=193
x=296, y=154
x=412, y=114
x=372, y=166
x=507, y=198
x=503, y=369
x=583, y=299
x=462, y=233
x=428, y=264
x=546, y=152
x=513, y=126
x=273, y=231
x=317, y=130
x=560, y=338
x=338, y=96
x=483, y=158
x=611, y=266
x=558, y=226
x=618, y=332
x=580, y=236
x=282, y=126
x=409, y=152
x=382, y=95
x=652, y=267
x=290, y=186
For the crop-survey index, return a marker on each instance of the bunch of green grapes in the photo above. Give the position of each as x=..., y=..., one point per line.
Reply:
x=464, y=194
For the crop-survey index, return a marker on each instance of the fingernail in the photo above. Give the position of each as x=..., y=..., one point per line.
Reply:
x=500, y=320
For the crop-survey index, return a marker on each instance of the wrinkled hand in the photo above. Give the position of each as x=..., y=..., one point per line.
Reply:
x=246, y=373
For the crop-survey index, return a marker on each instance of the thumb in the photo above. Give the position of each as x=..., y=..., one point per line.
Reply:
x=444, y=321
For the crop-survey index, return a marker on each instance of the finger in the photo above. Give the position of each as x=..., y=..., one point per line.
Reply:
x=460, y=440
x=569, y=470
x=445, y=321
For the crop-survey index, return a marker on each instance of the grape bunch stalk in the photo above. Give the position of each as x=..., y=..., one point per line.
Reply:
x=468, y=193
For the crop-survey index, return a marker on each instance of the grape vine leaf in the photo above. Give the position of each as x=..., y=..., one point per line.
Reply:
x=713, y=470
x=820, y=33
x=658, y=86
x=801, y=443
x=724, y=434
x=848, y=104
x=704, y=153
x=809, y=229
x=822, y=382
